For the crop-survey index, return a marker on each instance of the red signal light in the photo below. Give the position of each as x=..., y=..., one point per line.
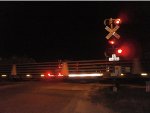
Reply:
x=117, y=21
x=119, y=51
x=112, y=42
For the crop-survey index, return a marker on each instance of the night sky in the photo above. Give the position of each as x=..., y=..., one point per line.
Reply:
x=47, y=31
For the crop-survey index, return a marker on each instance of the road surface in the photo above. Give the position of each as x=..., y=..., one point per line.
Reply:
x=49, y=97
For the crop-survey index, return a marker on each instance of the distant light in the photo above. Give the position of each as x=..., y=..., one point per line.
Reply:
x=4, y=75
x=28, y=75
x=117, y=21
x=50, y=74
x=101, y=74
x=42, y=75
x=86, y=75
x=144, y=74
x=112, y=42
x=119, y=50
x=107, y=70
x=122, y=74
x=60, y=74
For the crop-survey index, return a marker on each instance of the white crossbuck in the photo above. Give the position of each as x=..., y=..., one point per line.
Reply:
x=112, y=32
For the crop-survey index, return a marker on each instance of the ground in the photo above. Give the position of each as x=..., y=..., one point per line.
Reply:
x=68, y=97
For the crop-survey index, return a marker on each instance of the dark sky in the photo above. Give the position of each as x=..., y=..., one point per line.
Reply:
x=68, y=30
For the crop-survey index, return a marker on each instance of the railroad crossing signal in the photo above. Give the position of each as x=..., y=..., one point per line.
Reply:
x=112, y=25
x=112, y=32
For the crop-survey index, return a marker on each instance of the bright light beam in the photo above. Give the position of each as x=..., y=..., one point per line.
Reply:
x=28, y=75
x=4, y=75
x=144, y=74
x=86, y=75
x=42, y=75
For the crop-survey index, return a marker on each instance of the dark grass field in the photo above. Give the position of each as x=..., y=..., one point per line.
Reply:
x=128, y=98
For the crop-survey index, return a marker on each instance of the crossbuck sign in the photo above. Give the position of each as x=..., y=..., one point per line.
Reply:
x=112, y=32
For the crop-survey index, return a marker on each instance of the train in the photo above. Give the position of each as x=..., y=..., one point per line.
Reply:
x=71, y=69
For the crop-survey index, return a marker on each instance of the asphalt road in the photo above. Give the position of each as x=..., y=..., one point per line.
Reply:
x=49, y=97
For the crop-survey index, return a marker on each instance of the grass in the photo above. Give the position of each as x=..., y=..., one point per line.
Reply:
x=126, y=100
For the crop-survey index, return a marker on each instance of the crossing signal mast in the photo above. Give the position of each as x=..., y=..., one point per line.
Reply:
x=112, y=25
